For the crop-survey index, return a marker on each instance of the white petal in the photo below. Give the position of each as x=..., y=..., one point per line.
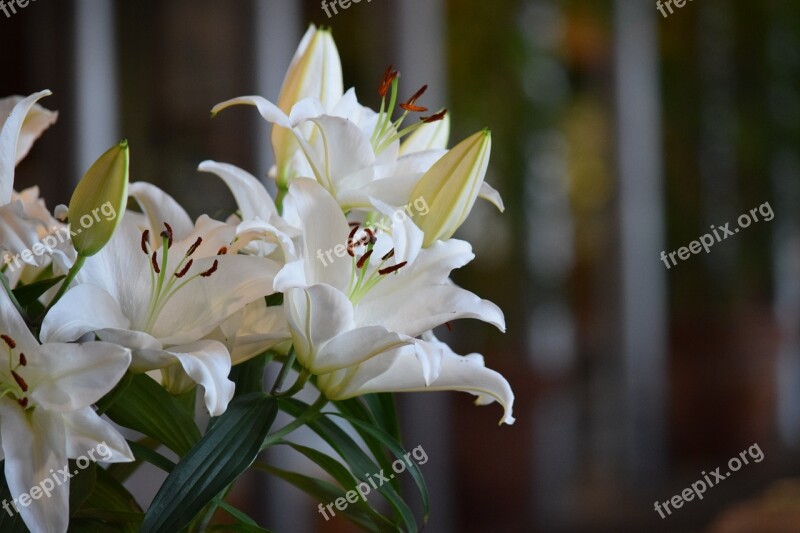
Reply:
x=306, y=109
x=82, y=309
x=10, y=137
x=71, y=376
x=488, y=193
x=268, y=110
x=315, y=316
x=401, y=371
x=433, y=135
x=208, y=363
x=161, y=207
x=356, y=346
x=343, y=150
x=34, y=445
x=12, y=324
x=89, y=433
x=251, y=196
x=37, y=120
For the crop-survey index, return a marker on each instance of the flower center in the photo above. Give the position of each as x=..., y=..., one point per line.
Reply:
x=366, y=272
x=165, y=284
x=387, y=131
x=13, y=383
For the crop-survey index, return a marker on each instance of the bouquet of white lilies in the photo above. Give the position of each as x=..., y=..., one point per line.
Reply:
x=115, y=315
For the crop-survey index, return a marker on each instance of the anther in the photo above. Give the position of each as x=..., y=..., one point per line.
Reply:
x=20, y=381
x=193, y=248
x=449, y=327
x=222, y=251
x=23, y=402
x=389, y=270
x=211, y=270
x=8, y=340
x=155, y=263
x=170, y=233
x=434, y=118
x=23, y=361
x=364, y=258
x=388, y=255
x=185, y=269
x=145, y=237
x=409, y=104
x=388, y=77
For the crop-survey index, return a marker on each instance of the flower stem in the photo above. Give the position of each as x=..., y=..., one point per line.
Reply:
x=67, y=281
x=312, y=412
x=287, y=365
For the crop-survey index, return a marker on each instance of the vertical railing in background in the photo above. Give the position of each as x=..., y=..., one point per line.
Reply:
x=641, y=219
x=277, y=27
x=785, y=168
x=420, y=43
x=96, y=110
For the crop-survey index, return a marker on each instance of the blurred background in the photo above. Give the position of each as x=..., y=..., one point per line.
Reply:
x=619, y=133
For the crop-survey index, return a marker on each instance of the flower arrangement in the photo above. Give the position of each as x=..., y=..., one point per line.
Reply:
x=109, y=314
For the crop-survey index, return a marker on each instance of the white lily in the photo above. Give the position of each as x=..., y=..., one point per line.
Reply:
x=346, y=309
x=46, y=415
x=161, y=295
x=24, y=219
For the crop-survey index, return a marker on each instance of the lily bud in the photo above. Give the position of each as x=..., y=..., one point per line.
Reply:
x=451, y=187
x=99, y=201
x=315, y=71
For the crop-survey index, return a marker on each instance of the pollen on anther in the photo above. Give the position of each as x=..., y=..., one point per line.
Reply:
x=20, y=381
x=409, y=105
x=364, y=258
x=388, y=77
x=145, y=237
x=8, y=340
x=211, y=270
x=222, y=251
x=193, y=248
x=185, y=269
x=389, y=254
x=434, y=118
x=23, y=402
x=169, y=233
x=23, y=361
x=394, y=268
x=155, y=263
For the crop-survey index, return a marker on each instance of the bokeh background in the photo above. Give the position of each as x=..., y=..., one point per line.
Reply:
x=618, y=133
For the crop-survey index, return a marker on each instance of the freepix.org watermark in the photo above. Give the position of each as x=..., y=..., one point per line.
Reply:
x=362, y=236
x=57, y=478
x=5, y=6
x=327, y=5
x=699, y=487
x=668, y=4
x=375, y=481
x=58, y=236
x=721, y=233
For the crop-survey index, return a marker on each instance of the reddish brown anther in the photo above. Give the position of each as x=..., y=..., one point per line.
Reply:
x=20, y=381
x=364, y=258
x=388, y=77
x=23, y=361
x=434, y=118
x=193, y=248
x=388, y=255
x=155, y=263
x=145, y=237
x=8, y=340
x=168, y=234
x=409, y=105
x=389, y=270
x=185, y=269
x=23, y=402
x=222, y=251
x=449, y=327
x=211, y=270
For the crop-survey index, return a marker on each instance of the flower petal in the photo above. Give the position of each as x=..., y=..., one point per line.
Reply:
x=67, y=377
x=160, y=207
x=88, y=433
x=269, y=111
x=250, y=194
x=82, y=309
x=34, y=446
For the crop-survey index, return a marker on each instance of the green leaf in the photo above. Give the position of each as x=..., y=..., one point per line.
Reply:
x=249, y=376
x=99, y=201
x=109, y=507
x=239, y=528
x=81, y=485
x=359, y=462
x=218, y=459
x=28, y=294
x=326, y=493
x=145, y=406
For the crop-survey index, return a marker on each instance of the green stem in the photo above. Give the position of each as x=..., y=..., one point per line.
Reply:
x=67, y=281
x=302, y=379
x=300, y=421
x=7, y=288
x=287, y=366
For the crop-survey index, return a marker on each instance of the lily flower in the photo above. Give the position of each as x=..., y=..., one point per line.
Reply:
x=161, y=295
x=46, y=415
x=349, y=300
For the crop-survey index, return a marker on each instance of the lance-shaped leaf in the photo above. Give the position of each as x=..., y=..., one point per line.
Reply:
x=99, y=200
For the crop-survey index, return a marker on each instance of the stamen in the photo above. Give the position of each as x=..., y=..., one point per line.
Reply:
x=388, y=77
x=23, y=361
x=20, y=381
x=389, y=270
x=145, y=238
x=364, y=258
x=356, y=224
x=353, y=231
x=372, y=240
x=211, y=270
x=434, y=118
x=222, y=251
x=388, y=255
x=155, y=263
x=193, y=248
x=169, y=231
x=8, y=340
x=185, y=269
x=449, y=327
x=409, y=104
x=23, y=402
